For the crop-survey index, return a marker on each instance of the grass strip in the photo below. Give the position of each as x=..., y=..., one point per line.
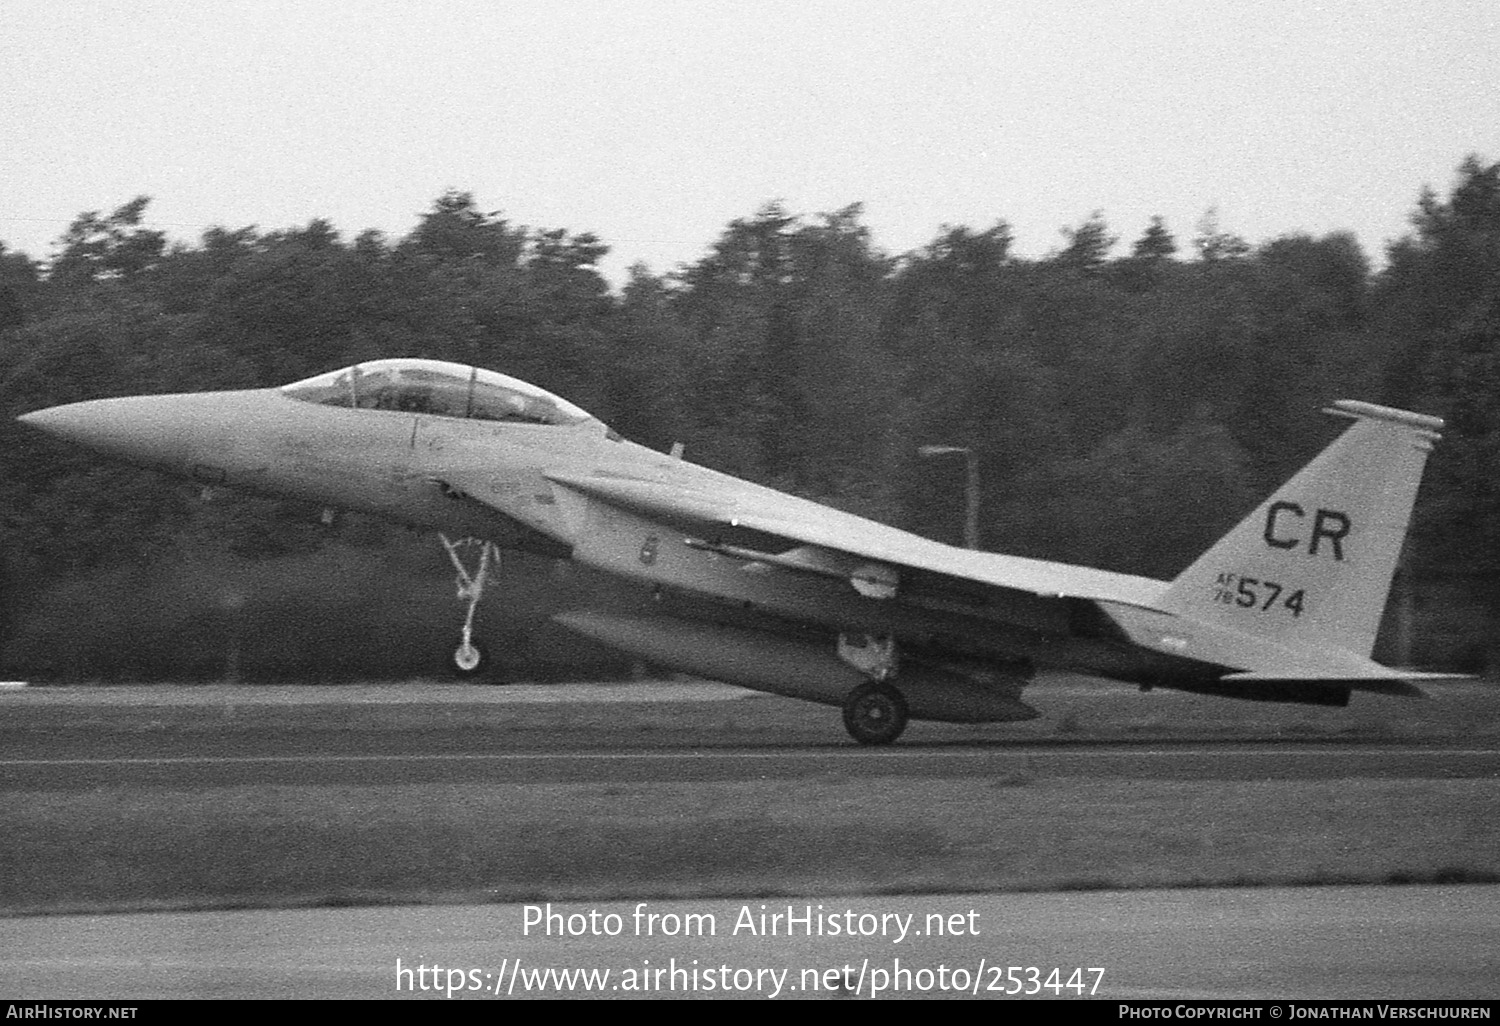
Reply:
x=120, y=848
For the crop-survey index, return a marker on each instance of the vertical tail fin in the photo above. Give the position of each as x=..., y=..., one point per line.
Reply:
x=1313, y=564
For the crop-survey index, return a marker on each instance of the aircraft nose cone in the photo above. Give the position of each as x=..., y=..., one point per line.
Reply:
x=144, y=429
x=65, y=422
x=77, y=422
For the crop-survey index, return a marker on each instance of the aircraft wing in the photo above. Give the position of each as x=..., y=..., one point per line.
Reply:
x=818, y=539
x=1343, y=675
x=1382, y=680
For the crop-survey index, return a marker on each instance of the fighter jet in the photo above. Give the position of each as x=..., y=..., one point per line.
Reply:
x=781, y=594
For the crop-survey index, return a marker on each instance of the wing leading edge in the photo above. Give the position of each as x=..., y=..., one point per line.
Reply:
x=819, y=539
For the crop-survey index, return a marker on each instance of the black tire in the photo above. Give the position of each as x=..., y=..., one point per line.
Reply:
x=469, y=665
x=875, y=714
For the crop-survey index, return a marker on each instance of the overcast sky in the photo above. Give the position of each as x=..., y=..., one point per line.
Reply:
x=653, y=123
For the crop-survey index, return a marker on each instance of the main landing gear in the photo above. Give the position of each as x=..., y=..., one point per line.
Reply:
x=874, y=712
x=470, y=658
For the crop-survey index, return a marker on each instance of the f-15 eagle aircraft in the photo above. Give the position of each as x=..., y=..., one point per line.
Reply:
x=785, y=595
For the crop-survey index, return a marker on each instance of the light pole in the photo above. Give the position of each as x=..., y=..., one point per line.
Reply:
x=971, y=487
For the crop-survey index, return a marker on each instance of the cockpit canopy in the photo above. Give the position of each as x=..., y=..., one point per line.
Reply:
x=438, y=388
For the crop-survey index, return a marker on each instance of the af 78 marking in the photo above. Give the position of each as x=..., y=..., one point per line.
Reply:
x=1250, y=593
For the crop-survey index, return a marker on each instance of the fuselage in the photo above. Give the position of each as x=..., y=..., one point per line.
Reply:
x=535, y=485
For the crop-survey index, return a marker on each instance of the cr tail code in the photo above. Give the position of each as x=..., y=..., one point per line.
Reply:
x=1284, y=523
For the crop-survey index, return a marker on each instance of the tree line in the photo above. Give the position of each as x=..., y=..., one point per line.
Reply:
x=1127, y=403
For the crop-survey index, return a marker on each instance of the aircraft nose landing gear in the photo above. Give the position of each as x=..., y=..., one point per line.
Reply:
x=470, y=658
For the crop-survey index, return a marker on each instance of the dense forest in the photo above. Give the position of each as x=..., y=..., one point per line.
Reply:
x=1129, y=401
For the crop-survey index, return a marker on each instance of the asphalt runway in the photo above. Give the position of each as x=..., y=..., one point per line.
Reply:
x=469, y=756
x=1277, y=943
x=78, y=738
x=1283, y=944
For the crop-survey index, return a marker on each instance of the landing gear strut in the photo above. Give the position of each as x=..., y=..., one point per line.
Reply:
x=470, y=659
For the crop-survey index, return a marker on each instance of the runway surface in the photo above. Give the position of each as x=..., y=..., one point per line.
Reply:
x=75, y=738
x=1274, y=943
x=1328, y=942
x=466, y=757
